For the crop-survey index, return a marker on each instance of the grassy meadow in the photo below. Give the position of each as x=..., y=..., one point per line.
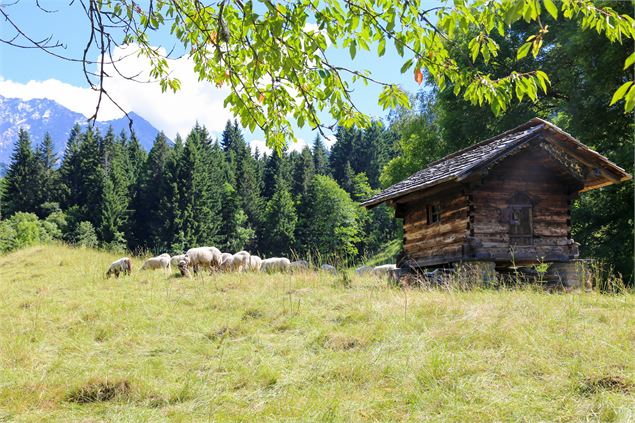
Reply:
x=252, y=347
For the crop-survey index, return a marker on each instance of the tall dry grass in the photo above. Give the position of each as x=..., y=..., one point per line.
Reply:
x=305, y=347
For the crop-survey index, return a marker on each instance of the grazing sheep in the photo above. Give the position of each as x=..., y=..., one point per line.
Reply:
x=383, y=270
x=175, y=260
x=240, y=261
x=299, y=266
x=183, y=268
x=275, y=264
x=255, y=263
x=328, y=268
x=228, y=264
x=204, y=256
x=363, y=270
x=159, y=262
x=122, y=265
x=225, y=256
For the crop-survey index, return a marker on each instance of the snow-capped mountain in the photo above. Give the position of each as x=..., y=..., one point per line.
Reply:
x=40, y=116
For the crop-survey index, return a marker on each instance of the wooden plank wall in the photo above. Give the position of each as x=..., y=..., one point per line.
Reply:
x=441, y=241
x=533, y=173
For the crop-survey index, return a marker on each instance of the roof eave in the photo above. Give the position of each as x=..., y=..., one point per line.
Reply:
x=369, y=204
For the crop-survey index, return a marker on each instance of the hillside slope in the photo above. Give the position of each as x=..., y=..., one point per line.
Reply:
x=152, y=347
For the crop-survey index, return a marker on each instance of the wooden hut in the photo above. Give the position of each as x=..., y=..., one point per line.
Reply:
x=506, y=200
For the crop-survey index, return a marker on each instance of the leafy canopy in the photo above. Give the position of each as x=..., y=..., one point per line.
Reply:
x=273, y=55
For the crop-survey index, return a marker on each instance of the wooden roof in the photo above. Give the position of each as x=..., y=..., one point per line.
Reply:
x=458, y=166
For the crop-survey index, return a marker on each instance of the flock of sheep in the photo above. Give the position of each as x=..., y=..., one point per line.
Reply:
x=212, y=259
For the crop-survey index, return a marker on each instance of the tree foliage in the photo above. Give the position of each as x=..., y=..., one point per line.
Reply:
x=273, y=57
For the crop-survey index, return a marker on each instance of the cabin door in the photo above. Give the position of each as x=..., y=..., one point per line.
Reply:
x=520, y=220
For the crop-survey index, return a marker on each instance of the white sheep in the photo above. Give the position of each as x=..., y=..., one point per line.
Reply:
x=329, y=269
x=383, y=270
x=240, y=261
x=183, y=264
x=159, y=262
x=275, y=264
x=363, y=270
x=299, y=266
x=225, y=256
x=255, y=263
x=175, y=260
x=209, y=257
x=123, y=265
x=228, y=264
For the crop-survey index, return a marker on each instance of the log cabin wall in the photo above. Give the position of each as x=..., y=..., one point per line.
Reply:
x=530, y=174
x=429, y=243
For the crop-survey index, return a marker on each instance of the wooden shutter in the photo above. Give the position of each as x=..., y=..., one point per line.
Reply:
x=520, y=220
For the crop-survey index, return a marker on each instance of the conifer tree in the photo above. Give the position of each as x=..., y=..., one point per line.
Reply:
x=303, y=172
x=271, y=172
x=370, y=153
x=21, y=191
x=136, y=155
x=280, y=221
x=235, y=232
x=69, y=170
x=248, y=188
x=147, y=211
x=201, y=177
x=107, y=147
x=320, y=157
x=342, y=151
x=348, y=177
x=330, y=220
x=115, y=194
x=91, y=177
x=170, y=201
x=47, y=176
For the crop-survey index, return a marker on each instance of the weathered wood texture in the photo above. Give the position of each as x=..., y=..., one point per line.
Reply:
x=440, y=242
x=476, y=215
x=548, y=184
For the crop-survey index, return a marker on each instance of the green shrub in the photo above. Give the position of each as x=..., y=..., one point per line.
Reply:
x=25, y=229
x=85, y=235
x=7, y=236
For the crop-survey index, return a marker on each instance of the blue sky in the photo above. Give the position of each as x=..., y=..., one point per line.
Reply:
x=29, y=73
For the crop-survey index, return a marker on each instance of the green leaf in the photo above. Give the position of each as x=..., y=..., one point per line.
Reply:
x=406, y=66
x=352, y=49
x=474, y=47
x=514, y=12
x=543, y=75
x=621, y=91
x=629, y=61
x=542, y=84
x=630, y=100
x=536, y=46
x=382, y=47
x=523, y=51
x=551, y=8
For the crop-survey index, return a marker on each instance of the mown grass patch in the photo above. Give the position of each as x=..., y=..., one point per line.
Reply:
x=252, y=347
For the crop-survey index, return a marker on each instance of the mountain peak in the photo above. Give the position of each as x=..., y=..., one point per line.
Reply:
x=43, y=115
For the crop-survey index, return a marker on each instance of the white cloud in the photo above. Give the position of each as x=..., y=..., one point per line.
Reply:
x=170, y=112
x=329, y=141
x=298, y=145
x=260, y=145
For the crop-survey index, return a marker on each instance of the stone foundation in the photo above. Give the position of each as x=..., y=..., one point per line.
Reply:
x=477, y=271
x=572, y=274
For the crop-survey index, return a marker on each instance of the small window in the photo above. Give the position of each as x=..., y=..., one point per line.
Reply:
x=433, y=213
